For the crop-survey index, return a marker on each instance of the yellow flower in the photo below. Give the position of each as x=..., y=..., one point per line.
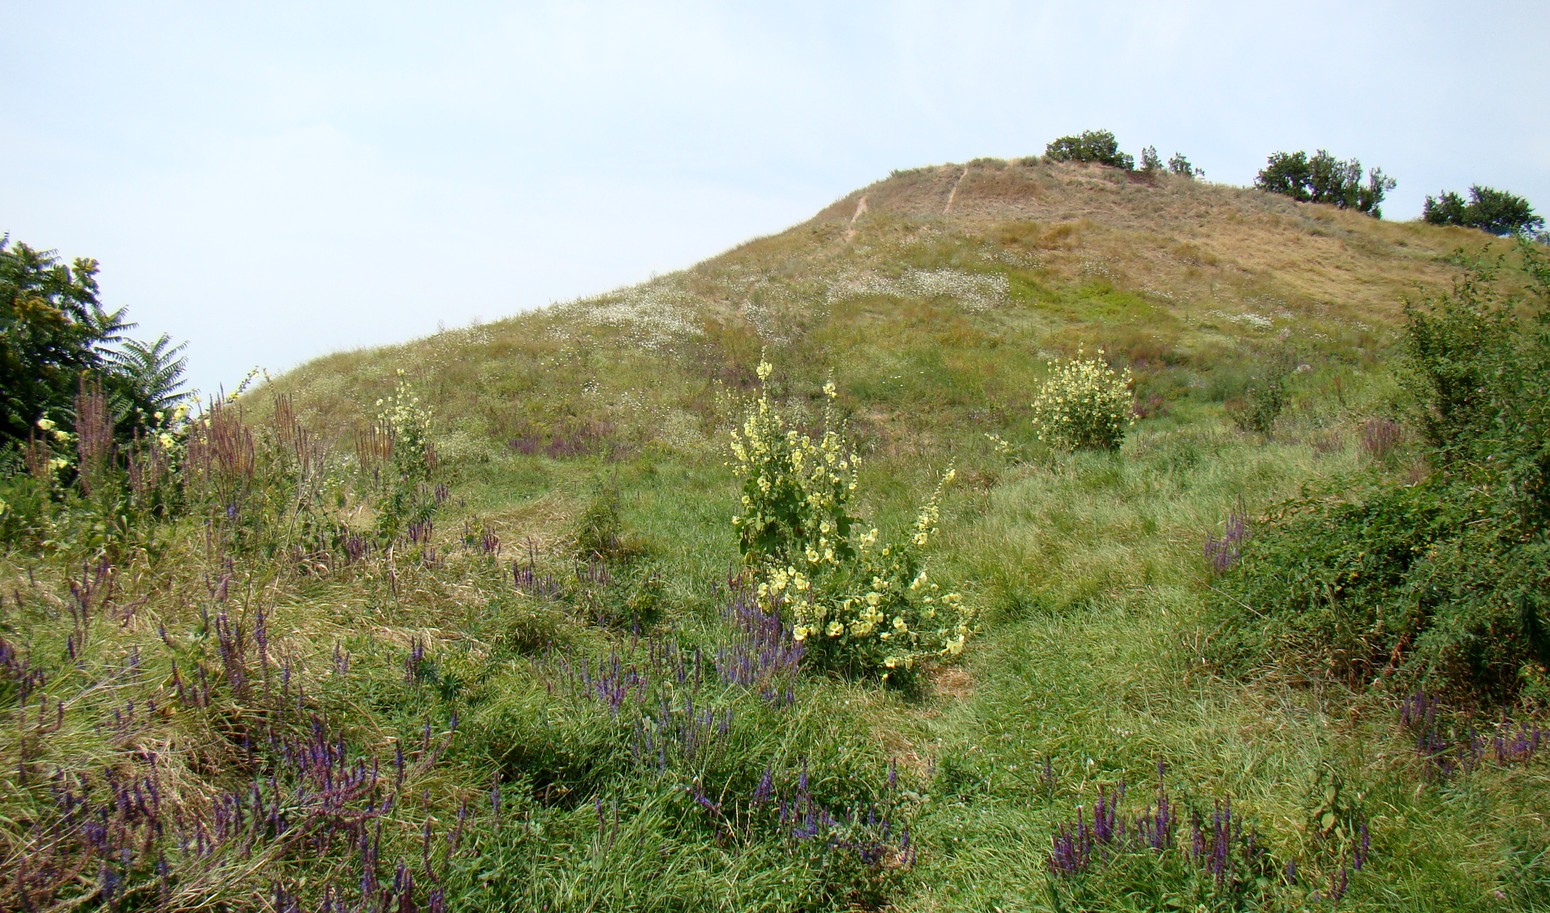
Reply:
x=836, y=629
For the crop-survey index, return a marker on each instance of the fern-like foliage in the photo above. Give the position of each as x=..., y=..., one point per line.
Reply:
x=154, y=372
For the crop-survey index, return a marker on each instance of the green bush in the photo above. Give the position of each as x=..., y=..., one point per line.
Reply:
x=1151, y=162
x=1084, y=404
x=1445, y=582
x=1181, y=166
x=404, y=428
x=1264, y=398
x=1091, y=146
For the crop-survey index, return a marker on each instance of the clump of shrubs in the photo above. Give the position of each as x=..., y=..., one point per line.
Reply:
x=1090, y=146
x=1265, y=397
x=1085, y=404
x=1322, y=178
x=859, y=605
x=1444, y=582
x=403, y=427
x=1488, y=209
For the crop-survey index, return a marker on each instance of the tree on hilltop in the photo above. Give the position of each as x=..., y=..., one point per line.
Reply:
x=1091, y=146
x=1322, y=178
x=1495, y=211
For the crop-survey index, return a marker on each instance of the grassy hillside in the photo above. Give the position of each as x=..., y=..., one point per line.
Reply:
x=543, y=689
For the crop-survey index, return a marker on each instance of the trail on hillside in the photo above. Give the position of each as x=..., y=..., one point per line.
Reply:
x=953, y=195
x=850, y=230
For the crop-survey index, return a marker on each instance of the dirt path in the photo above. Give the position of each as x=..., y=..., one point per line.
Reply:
x=954, y=194
x=850, y=231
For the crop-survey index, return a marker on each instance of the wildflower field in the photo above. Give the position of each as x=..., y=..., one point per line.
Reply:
x=801, y=580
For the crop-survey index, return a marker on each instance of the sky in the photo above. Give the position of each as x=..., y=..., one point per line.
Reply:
x=275, y=181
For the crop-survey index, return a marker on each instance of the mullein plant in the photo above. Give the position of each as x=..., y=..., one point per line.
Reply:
x=856, y=604
x=404, y=427
x=1084, y=405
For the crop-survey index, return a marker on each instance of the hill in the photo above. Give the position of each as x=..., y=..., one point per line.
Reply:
x=942, y=290
x=963, y=258
x=460, y=623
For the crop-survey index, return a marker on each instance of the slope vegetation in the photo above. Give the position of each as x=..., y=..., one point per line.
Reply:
x=517, y=668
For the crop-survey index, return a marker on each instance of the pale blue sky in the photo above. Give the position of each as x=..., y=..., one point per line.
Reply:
x=280, y=180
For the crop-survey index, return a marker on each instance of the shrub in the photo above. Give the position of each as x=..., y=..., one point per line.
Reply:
x=1152, y=163
x=1085, y=404
x=1091, y=146
x=1264, y=399
x=1325, y=179
x=858, y=605
x=1444, y=581
x=1495, y=211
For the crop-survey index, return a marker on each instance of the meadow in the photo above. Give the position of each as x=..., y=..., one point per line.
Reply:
x=466, y=624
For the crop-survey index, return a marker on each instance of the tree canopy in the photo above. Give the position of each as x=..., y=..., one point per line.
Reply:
x=1488, y=209
x=1322, y=178
x=55, y=334
x=1091, y=146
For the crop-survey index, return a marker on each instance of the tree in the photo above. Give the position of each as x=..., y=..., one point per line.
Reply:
x=1495, y=211
x=1325, y=179
x=155, y=373
x=1151, y=162
x=54, y=332
x=1091, y=146
x=1180, y=166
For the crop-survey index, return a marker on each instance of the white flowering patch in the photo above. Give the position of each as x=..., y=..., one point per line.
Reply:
x=1248, y=319
x=654, y=314
x=975, y=291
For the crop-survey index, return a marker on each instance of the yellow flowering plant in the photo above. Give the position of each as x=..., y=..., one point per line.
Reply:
x=1085, y=404
x=405, y=425
x=858, y=605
